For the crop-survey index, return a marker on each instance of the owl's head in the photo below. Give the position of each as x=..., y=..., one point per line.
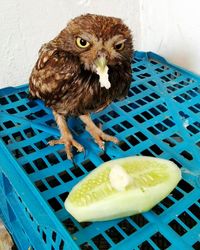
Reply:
x=97, y=40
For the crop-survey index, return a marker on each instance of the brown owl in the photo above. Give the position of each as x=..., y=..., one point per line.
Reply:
x=82, y=70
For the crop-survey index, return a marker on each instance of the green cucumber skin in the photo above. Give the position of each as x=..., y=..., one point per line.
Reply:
x=124, y=203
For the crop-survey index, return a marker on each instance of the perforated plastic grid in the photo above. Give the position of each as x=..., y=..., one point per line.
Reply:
x=160, y=117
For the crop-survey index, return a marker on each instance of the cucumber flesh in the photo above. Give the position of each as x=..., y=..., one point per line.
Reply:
x=122, y=187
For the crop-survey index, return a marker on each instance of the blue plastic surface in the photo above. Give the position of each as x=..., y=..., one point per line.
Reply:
x=160, y=117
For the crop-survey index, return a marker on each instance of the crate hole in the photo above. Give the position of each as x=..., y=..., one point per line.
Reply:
x=109, y=132
x=17, y=153
x=40, y=185
x=192, y=129
x=141, y=136
x=114, y=235
x=77, y=171
x=101, y=242
x=32, y=104
x=153, y=130
x=29, y=149
x=142, y=76
x=177, y=227
x=40, y=145
x=18, y=136
x=161, y=127
x=126, y=227
x=162, y=108
x=130, y=93
x=139, y=118
x=136, y=90
x=9, y=124
x=153, y=62
x=51, y=123
x=139, y=219
x=155, y=96
x=156, y=149
x=113, y=114
x=64, y=196
x=133, y=141
x=13, y=98
x=86, y=246
x=85, y=224
x=167, y=202
x=125, y=108
x=29, y=132
x=7, y=139
x=52, y=159
x=152, y=83
x=105, y=157
x=118, y=128
x=40, y=164
x=193, y=109
x=23, y=94
x=40, y=113
x=54, y=236
x=196, y=245
x=140, y=102
x=169, y=142
x=157, y=209
x=61, y=246
x=176, y=162
x=126, y=124
x=69, y=224
x=3, y=101
x=22, y=108
x=177, y=137
x=168, y=122
x=145, y=246
x=134, y=106
x=88, y=165
x=123, y=145
x=44, y=237
x=147, y=115
x=62, y=154
x=52, y=181
x=65, y=177
x=177, y=194
x=28, y=168
x=1, y=129
x=148, y=99
x=185, y=186
x=54, y=204
x=187, y=155
x=160, y=241
x=195, y=210
x=187, y=220
x=146, y=152
x=105, y=118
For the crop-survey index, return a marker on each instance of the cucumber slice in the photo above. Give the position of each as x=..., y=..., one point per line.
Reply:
x=121, y=188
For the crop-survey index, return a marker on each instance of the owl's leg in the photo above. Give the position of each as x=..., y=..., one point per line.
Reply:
x=98, y=135
x=66, y=136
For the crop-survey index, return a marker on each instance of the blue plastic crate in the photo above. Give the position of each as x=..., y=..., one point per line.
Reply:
x=160, y=117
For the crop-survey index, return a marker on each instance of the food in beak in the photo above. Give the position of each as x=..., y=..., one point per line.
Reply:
x=102, y=71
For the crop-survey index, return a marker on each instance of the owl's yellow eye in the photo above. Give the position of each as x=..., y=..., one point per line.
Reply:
x=119, y=46
x=82, y=43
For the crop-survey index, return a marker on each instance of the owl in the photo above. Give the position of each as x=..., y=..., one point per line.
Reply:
x=82, y=70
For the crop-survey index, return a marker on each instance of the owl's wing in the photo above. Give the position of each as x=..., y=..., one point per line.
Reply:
x=45, y=53
x=53, y=73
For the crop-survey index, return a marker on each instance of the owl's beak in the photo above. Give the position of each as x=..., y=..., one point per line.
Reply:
x=101, y=62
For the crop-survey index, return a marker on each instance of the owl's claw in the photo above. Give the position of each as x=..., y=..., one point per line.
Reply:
x=68, y=142
x=100, y=137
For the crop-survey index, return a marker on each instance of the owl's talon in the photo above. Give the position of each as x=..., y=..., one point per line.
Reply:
x=68, y=142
